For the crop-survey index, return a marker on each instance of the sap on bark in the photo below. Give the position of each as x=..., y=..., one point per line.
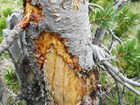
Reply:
x=63, y=71
x=50, y=53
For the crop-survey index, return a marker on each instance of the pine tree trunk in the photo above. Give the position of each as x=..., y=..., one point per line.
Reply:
x=53, y=58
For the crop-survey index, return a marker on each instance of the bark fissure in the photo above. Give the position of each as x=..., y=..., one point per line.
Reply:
x=71, y=25
x=56, y=44
x=56, y=57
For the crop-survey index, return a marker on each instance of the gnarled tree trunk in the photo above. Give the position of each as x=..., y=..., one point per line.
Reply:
x=53, y=56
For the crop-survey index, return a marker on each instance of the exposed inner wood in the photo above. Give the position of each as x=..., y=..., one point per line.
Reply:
x=48, y=40
x=31, y=13
x=36, y=9
x=67, y=88
x=59, y=68
x=26, y=20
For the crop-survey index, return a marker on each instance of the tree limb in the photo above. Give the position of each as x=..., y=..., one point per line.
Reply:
x=96, y=5
x=114, y=36
x=119, y=3
x=16, y=32
x=99, y=55
x=100, y=32
x=117, y=73
x=120, y=81
x=118, y=93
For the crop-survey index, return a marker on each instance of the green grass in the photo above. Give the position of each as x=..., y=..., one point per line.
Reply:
x=6, y=12
x=6, y=8
x=11, y=80
x=2, y=26
x=9, y=3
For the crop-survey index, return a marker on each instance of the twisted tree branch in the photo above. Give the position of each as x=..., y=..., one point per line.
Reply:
x=99, y=54
x=127, y=85
x=96, y=5
x=114, y=36
x=16, y=32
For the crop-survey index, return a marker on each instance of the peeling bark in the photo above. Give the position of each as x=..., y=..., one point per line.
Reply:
x=63, y=71
x=70, y=25
x=53, y=57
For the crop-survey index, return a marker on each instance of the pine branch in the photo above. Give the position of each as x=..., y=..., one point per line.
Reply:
x=96, y=5
x=114, y=36
x=120, y=75
x=119, y=3
x=99, y=55
x=100, y=32
x=127, y=85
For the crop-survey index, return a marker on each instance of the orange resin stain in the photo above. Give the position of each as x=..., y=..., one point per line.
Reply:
x=59, y=68
x=31, y=14
x=36, y=9
x=47, y=41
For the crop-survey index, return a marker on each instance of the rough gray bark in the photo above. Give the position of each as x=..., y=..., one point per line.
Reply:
x=71, y=25
x=19, y=55
x=3, y=94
